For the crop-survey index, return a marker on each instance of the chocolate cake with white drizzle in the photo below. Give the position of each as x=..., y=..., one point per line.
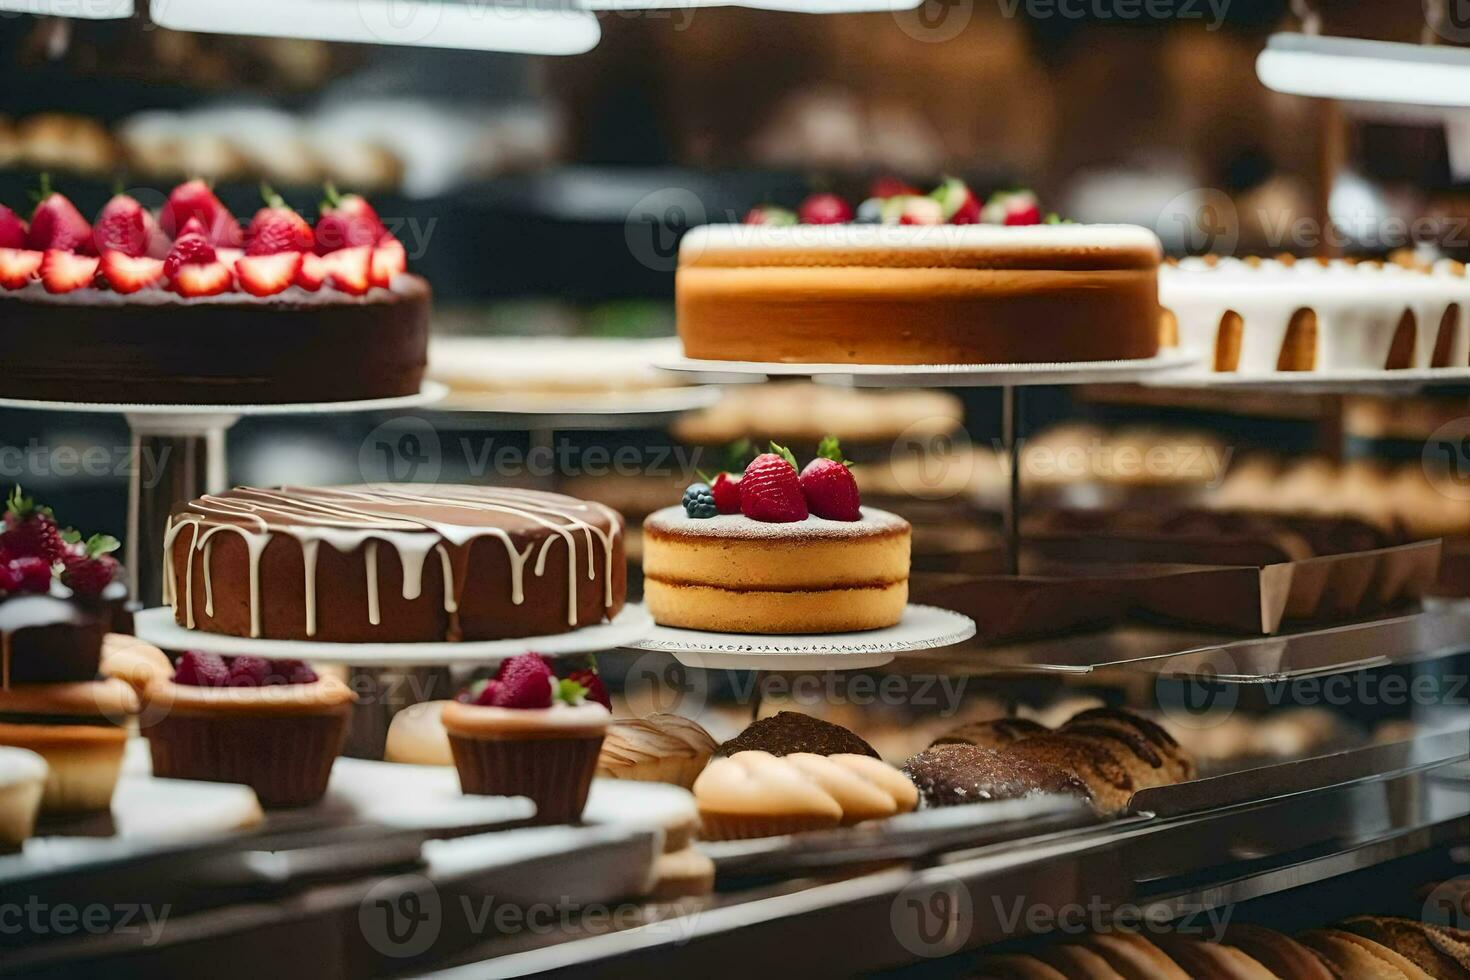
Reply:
x=393, y=563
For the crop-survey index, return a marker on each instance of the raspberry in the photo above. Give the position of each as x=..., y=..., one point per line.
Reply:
x=248, y=671
x=523, y=682
x=293, y=672
x=771, y=492
x=726, y=490
x=198, y=669
x=30, y=530
x=592, y=681
x=699, y=502
x=10, y=578
x=32, y=574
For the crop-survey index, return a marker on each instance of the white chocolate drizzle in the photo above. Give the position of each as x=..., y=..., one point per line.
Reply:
x=412, y=520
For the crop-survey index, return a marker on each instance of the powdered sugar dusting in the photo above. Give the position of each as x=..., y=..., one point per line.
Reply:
x=674, y=521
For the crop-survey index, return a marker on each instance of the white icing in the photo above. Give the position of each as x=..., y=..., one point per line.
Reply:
x=1003, y=238
x=675, y=520
x=1359, y=307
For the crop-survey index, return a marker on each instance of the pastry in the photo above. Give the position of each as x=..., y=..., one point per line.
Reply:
x=952, y=775
x=865, y=788
x=966, y=295
x=132, y=660
x=1078, y=962
x=1016, y=967
x=274, y=725
x=1277, y=952
x=526, y=733
x=416, y=736
x=757, y=794
x=777, y=551
x=149, y=306
x=791, y=731
x=663, y=748
x=1212, y=961
x=395, y=563
x=80, y=728
x=1143, y=738
x=1269, y=316
x=1442, y=952
x=22, y=782
x=1134, y=956
x=991, y=734
x=1110, y=777
x=1350, y=955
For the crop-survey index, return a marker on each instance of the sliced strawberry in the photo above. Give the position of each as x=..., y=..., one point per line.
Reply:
x=57, y=224
x=209, y=279
x=192, y=248
x=229, y=256
x=62, y=272
x=12, y=229
x=19, y=266
x=350, y=269
x=389, y=259
x=128, y=274
x=266, y=275
x=313, y=272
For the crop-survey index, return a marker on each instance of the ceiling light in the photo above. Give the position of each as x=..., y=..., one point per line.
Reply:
x=79, y=9
x=1356, y=70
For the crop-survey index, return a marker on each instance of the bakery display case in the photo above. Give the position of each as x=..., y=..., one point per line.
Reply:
x=871, y=489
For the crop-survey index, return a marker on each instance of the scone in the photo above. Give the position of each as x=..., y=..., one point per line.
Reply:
x=22, y=781
x=662, y=748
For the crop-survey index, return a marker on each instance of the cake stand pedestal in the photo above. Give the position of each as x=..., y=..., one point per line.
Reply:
x=188, y=443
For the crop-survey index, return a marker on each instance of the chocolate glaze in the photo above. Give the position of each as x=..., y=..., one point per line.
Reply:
x=93, y=345
x=45, y=640
x=790, y=731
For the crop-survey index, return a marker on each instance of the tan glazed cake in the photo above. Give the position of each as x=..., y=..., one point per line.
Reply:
x=732, y=574
x=947, y=294
x=397, y=563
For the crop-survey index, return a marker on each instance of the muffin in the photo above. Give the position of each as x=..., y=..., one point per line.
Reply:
x=661, y=748
x=22, y=781
x=757, y=794
x=273, y=725
x=416, y=736
x=527, y=733
x=792, y=731
x=79, y=728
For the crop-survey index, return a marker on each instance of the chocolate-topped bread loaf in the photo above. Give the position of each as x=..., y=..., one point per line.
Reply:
x=992, y=734
x=393, y=563
x=791, y=731
x=1146, y=738
x=952, y=775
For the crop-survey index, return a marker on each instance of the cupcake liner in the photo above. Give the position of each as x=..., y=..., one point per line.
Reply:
x=739, y=826
x=286, y=760
x=555, y=773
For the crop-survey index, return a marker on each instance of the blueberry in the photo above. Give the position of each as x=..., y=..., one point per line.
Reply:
x=870, y=212
x=699, y=501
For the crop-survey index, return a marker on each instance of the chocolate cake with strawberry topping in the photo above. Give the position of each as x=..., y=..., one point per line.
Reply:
x=185, y=307
x=777, y=550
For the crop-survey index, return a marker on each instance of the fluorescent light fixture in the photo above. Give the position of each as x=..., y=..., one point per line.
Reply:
x=78, y=9
x=788, y=6
x=476, y=25
x=1355, y=70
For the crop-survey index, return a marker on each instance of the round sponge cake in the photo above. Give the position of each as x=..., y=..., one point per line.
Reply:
x=731, y=574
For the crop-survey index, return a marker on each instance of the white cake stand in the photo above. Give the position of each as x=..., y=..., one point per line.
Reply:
x=921, y=628
x=621, y=410
x=157, y=626
x=189, y=443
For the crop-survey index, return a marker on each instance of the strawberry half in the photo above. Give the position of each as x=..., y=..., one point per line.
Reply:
x=350, y=269
x=313, y=272
x=62, y=272
x=122, y=226
x=389, y=259
x=128, y=274
x=12, y=229
x=346, y=221
x=19, y=266
x=195, y=269
x=195, y=200
x=266, y=275
x=57, y=224
x=277, y=228
x=770, y=491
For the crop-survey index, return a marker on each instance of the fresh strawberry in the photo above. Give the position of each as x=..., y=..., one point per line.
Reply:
x=195, y=200
x=824, y=209
x=389, y=259
x=890, y=186
x=198, y=669
x=12, y=229
x=726, y=489
x=32, y=574
x=122, y=226
x=62, y=272
x=204, y=280
x=128, y=275
x=767, y=214
x=10, y=579
x=90, y=568
x=57, y=224
x=523, y=682
x=920, y=211
x=229, y=256
x=591, y=681
x=313, y=272
x=346, y=221
x=277, y=228
x=350, y=269
x=830, y=490
x=770, y=490
x=1011, y=208
x=1025, y=214
x=957, y=201
x=30, y=530
x=19, y=266
x=191, y=248
x=266, y=275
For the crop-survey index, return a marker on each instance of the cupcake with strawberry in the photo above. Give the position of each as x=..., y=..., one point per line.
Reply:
x=274, y=725
x=777, y=548
x=527, y=732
